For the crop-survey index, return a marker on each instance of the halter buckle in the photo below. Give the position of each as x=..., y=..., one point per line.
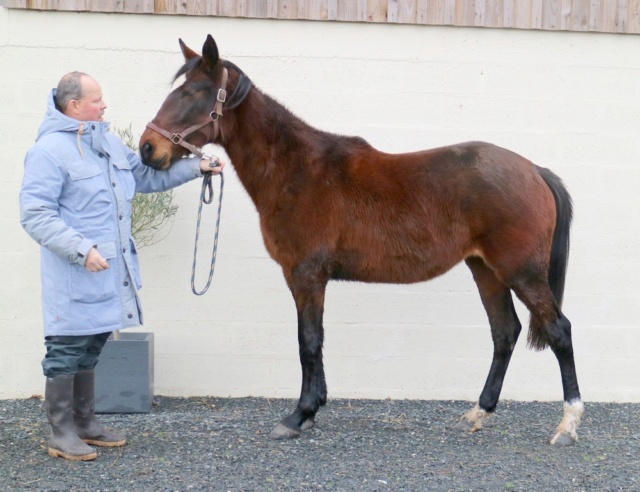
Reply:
x=176, y=138
x=222, y=95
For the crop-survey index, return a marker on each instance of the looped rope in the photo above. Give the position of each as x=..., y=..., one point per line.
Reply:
x=206, y=197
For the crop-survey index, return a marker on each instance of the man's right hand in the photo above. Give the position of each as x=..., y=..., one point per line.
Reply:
x=95, y=262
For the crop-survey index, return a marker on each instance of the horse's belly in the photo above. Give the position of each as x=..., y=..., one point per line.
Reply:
x=397, y=269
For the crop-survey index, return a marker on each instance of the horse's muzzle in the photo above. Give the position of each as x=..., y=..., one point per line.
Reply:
x=147, y=150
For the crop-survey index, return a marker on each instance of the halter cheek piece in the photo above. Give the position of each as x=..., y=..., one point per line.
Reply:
x=179, y=137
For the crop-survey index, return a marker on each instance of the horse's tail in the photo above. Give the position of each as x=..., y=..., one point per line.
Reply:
x=560, y=246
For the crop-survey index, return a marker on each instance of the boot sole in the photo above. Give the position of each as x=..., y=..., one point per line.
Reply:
x=106, y=444
x=56, y=453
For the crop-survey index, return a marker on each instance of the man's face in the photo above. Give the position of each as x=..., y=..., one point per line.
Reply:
x=90, y=107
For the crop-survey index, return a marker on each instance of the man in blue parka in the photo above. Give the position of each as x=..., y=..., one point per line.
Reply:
x=75, y=201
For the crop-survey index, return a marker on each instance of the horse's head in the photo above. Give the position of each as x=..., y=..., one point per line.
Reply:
x=188, y=118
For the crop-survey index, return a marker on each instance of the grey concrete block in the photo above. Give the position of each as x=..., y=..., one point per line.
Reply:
x=124, y=374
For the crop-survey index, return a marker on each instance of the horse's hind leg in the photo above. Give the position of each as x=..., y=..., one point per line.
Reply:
x=550, y=327
x=505, y=328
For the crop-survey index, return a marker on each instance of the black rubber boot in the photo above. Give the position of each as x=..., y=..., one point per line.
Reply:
x=58, y=402
x=87, y=427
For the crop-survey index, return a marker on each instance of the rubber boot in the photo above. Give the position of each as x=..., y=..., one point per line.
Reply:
x=58, y=402
x=87, y=427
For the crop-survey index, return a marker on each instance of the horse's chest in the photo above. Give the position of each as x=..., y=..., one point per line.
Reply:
x=288, y=239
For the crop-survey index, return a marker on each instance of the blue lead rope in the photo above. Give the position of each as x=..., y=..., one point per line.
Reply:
x=206, y=196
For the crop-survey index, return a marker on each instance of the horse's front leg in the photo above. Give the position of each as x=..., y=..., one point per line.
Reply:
x=309, y=297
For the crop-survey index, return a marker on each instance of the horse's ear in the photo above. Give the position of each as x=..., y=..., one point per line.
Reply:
x=186, y=51
x=210, y=54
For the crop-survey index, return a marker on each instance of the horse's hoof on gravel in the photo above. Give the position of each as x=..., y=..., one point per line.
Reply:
x=473, y=420
x=465, y=425
x=284, y=432
x=307, y=424
x=563, y=439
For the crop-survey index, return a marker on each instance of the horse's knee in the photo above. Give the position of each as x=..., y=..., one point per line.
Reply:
x=310, y=351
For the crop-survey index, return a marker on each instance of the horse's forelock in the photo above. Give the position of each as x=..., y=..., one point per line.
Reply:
x=193, y=62
x=187, y=67
x=242, y=89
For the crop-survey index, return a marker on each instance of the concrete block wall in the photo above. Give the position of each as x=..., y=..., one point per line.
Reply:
x=568, y=101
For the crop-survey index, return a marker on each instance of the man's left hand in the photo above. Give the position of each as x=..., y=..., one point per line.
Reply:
x=211, y=165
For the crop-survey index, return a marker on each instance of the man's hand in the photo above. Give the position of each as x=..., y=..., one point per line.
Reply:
x=95, y=262
x=211, y=165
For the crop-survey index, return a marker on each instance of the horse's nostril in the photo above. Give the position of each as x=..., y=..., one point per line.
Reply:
x=146, y=151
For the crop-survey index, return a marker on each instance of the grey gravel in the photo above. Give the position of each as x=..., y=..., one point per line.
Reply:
x=222, y=444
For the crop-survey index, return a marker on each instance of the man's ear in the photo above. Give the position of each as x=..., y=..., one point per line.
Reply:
x=72, y=107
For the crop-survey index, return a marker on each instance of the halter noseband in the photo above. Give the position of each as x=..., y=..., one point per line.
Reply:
x=214, y=115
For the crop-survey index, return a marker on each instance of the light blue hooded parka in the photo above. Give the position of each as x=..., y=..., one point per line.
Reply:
x=76, y=193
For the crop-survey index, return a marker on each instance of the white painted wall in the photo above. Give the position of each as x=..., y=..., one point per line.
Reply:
x=568, y=101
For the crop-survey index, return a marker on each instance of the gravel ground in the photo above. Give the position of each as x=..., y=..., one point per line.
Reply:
x=218, y=444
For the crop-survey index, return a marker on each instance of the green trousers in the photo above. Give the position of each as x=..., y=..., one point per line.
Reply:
x=67, y=355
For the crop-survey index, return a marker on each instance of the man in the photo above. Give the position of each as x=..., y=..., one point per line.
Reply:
x=75, y=201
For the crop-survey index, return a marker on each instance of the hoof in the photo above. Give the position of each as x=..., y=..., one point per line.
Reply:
x=284, y=432
x=566, y=432
x=465, y=426
x=307, y=424
x=473, y=420
x=563, y=439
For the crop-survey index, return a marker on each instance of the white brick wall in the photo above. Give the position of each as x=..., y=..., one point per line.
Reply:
x=568, y=101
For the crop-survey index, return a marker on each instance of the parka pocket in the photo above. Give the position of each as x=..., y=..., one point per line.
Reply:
x=87, y=184
x=89, y=287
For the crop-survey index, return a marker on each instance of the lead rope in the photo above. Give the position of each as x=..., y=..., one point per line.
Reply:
x=206, y=197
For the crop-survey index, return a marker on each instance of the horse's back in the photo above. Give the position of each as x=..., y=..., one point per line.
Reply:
x=475, y=183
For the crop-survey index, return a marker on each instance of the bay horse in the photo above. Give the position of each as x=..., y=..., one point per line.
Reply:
x=332, y=207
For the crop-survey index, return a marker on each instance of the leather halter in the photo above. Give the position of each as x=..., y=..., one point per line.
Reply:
x=214, y=115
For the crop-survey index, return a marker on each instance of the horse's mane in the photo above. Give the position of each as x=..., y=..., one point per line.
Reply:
x=242, y=88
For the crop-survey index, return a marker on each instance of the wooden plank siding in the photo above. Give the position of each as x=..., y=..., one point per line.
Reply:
x=611, y=16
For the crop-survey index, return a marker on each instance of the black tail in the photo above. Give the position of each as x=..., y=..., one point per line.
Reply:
x=560, y=247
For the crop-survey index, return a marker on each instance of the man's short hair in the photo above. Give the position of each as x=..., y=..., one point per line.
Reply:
x=69, y=87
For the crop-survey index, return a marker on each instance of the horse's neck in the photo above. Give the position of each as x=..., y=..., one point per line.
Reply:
x=261, y=158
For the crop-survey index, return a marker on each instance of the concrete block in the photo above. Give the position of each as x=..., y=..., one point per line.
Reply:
x=124, y=374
